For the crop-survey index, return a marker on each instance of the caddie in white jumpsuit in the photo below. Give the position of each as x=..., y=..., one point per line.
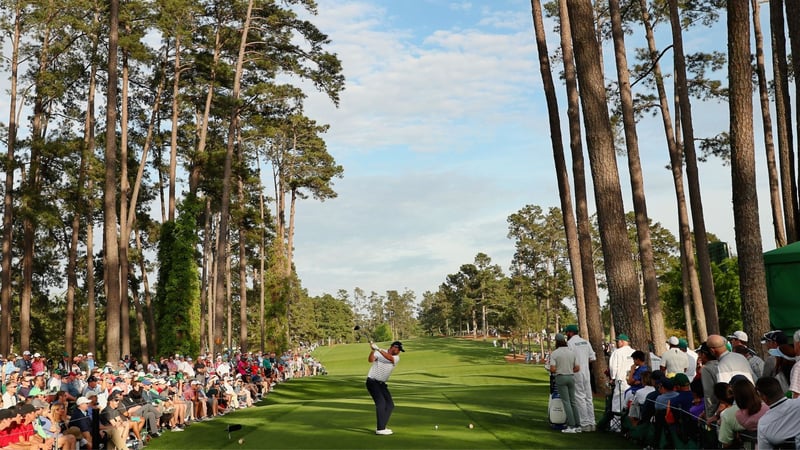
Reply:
x=584, y=354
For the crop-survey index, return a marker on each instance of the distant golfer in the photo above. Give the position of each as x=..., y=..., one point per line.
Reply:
x=383, y=363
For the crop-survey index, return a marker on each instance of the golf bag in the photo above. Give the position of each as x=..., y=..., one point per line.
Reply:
x=555, y=407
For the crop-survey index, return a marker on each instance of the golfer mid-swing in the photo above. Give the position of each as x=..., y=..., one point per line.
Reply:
x=383, y=363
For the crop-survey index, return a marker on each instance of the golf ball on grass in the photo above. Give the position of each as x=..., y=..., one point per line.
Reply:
x=471, y=426
x=241, y=441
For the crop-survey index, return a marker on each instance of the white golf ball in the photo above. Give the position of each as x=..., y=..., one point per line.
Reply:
x=436, y=427
x=241, y=441
x=471, y=426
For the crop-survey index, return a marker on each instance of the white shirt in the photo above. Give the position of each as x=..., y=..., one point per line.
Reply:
x=583, y=352
x=620, y=362
x=382, y=368
x=675, y=361
x=780, y=423
x=691, y=371
x=731, y=364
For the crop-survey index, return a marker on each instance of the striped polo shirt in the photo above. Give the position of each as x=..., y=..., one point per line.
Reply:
x=382, y=367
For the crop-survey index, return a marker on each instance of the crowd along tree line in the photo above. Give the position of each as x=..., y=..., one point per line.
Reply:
x=108, y=100
x=610, y=117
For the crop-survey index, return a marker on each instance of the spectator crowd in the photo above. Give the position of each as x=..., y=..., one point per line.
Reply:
x=75, y=403
x=720, y=395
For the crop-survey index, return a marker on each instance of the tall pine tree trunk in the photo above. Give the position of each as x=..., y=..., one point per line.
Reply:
x=752, y=278
x=562, y=176
x=676, y=167
x=8, y=192
x=623, y=288
x=224, y=222
x=124, y=231
x=110, y=244
x=593, y=328
x=692, y=174
x=646, y=257
x=766, y=122
x=783, y=117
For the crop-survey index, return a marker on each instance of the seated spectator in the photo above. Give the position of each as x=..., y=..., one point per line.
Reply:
x=48, y=426
x=113, y=424
x=782, y=421
x=639, y=398
x=726, y=414
x=7, y=436
x=11, y=398
x=684, y=397
x=635, y=375
x=81, y=418
x=698, y=408
x=751, y=408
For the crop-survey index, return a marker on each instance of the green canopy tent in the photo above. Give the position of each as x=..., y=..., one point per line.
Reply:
x=783, y=287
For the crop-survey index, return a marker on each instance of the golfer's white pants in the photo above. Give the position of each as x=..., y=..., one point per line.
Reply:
x=583, y=395
x=618, y=399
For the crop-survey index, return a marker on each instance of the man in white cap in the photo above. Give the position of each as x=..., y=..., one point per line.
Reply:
x=740, y=344
x=674, y=360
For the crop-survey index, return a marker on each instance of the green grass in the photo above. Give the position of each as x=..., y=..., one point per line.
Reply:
x=439, y=381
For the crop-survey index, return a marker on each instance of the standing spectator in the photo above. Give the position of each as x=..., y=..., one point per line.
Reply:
x=730, y=363
x=794, y=378
x=772, y=340
x=563, y=364
x=584, y=355
x=674, y=360
x=782, y=420
x=756, y=363
x=691, y=355
x=618, y=365
x=383, y=363
x=708, y=376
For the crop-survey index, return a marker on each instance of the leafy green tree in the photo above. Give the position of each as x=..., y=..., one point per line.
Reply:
x=177, y=300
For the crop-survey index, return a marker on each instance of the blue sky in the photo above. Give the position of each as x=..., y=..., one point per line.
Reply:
x=442, y=131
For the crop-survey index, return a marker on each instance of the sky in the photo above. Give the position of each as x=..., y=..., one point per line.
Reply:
x=442, y=131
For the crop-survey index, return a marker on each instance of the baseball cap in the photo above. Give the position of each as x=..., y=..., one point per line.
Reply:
x=571, y=328
x=82, y=401
x=623, y=337
x=776, y=336
x=26, y=353
x=673, y=340
x=398, y=344
x=740, y=335
x=561, y=338
x=683, y=343
x=680, y=379
x=40, y=404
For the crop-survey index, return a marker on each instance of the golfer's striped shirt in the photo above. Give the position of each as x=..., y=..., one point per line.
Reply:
x=382, y=367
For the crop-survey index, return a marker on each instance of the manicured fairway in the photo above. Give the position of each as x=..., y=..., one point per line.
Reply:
x=449, y=383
